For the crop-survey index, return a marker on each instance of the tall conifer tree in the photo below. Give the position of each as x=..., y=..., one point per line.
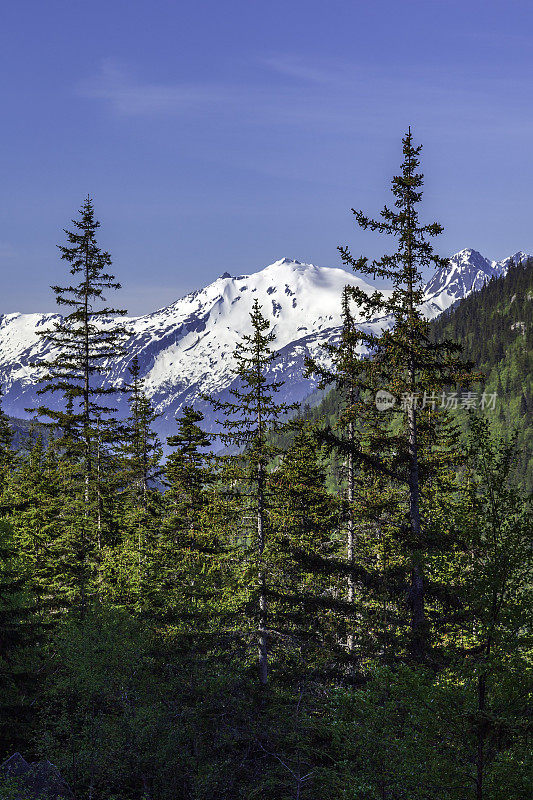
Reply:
x=303, y=544
x=83, y=342
x=492, y=635
x=250, y=417
x=130, y=475
x=412, y=371
x=141, y=450
x=6, y=452
x=343, y=375
x=186, y=553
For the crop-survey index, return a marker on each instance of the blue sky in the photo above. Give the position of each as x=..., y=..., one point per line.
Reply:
x=222, y=135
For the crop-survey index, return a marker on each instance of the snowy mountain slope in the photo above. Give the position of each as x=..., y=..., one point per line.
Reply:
x=468, y=271
x=185, y=348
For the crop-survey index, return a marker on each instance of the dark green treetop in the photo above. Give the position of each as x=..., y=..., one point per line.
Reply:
x=84, y=340
x=398, y=358
x=249, y=420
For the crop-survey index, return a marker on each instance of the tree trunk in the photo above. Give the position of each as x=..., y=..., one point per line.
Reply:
x=416, y=591
x=350, y=544
x=480, y=754
x=263, y=604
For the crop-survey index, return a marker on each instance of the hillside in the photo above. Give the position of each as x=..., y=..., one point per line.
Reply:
x=494, y=325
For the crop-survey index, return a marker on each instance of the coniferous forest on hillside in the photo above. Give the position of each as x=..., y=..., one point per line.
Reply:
x=493, y=327
x=310, y=604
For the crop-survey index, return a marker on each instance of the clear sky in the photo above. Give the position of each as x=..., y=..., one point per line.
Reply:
x=224, y=134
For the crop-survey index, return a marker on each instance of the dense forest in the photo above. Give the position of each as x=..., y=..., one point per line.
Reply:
x=494, y=327
x=334, y=606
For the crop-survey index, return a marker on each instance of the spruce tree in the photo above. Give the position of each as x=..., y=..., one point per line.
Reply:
x=250, y=418
x=82, y=423
x=412, y=372
x=186, y=552
x=343, y=375
x=131, y=499
x=490, y=638
x=17, y=626
x=303, y=548
x=83, y=343
x=186, y=471
x=47, y=513
x=140, y=448
x=6, y=451
x=19, y=639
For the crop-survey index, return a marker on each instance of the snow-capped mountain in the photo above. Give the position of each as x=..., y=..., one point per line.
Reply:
x=186, y=348
x=467, y=272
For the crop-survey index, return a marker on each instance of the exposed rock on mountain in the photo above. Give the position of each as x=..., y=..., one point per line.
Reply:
x=185, y=348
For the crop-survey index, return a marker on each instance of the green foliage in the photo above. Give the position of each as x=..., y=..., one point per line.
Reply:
x=398, y=462
x=11, y=789
x=137, y=599
x=84, y=341
x=85, y=338
x=19, y=633
x=185, y=560
x=304, y=537
x=140, y=449
x=494, y=326
x=249, y=420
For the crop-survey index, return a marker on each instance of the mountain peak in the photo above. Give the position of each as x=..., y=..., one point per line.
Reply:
x=283, y=261
x=505, y=262
x=467, y=251
x=468, y=272
x=185, y=349
x=469, y=258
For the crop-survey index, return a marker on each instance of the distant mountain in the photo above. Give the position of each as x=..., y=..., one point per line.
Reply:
x=186, y=348
x=468, y=271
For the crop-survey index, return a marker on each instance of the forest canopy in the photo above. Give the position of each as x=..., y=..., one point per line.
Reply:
x=334, y=605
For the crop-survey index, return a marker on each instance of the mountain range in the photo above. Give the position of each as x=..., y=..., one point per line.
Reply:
x=186, y=348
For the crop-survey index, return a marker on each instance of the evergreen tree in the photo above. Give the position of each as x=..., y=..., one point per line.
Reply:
x=141, y=450
x=492, y=633
x=52, y=533
x=250, y=418
x=343, y=375
x=17, y=625
x=410, y=370
x=6, y=437
x=186, y=553
x=129, y=484
x=19, y=633
x=7, y=450
x=301, y=548
x=186, y=473
x=84, y=341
